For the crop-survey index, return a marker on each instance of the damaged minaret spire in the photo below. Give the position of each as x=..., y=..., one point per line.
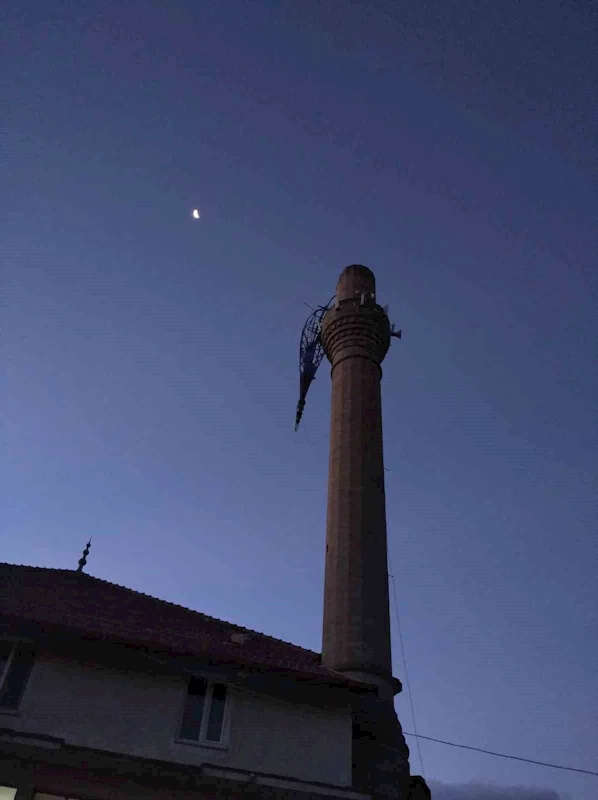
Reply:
x=354, y=333
x=311, y=354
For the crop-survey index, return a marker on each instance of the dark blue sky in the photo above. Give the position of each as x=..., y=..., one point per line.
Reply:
x=151, y=361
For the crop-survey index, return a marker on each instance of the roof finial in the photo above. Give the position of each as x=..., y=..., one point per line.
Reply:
x=83, y=559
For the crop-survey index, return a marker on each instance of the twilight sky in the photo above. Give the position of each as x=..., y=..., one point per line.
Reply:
x=150, y=360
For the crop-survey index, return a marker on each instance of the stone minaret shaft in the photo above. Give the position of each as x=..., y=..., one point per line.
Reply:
x=356, y=336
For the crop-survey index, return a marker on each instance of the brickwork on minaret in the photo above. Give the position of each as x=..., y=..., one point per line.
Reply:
x=356, y=335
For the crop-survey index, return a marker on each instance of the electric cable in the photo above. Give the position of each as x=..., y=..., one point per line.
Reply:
x=417, y=736
x=501, y=755
x=394, y=591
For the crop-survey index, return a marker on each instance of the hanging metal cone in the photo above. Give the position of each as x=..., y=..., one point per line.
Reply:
x=311, y=354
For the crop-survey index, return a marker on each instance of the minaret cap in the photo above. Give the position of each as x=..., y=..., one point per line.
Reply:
x=355, y=280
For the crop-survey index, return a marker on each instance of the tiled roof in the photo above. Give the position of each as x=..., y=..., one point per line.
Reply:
x=93, y=607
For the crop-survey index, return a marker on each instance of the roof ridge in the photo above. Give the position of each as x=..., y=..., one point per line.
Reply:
x=237, y=628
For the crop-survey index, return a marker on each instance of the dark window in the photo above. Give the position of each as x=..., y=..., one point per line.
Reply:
x=16, y=660
x=216, y=716
x=194, y=707
x=204, y=712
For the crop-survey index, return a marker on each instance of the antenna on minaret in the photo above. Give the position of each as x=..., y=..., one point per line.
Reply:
x=83, y=559
x=311, y=354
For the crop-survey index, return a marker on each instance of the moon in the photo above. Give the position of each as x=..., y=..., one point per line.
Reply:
x=195, y=213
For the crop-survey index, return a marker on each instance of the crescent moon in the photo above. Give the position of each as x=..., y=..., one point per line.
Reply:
x=195, y=213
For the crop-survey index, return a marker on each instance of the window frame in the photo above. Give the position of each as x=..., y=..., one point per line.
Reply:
x=15, y=641
x=201, y=741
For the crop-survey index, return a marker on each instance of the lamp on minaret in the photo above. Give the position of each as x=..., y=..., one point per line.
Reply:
x=354, y=333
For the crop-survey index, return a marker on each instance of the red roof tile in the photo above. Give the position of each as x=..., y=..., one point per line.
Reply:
x=96, y=608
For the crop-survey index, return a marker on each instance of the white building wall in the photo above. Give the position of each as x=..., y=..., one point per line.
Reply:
x=135, y=714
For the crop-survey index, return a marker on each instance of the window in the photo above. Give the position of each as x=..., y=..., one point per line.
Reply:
x=16, y=660
x=204, y=714
x=43, y=796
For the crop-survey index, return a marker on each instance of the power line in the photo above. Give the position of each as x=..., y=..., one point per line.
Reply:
x=419, y=736
x=419, y=752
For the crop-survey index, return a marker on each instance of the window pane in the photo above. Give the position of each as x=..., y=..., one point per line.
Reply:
x=5, y=651
x=194, y=705
x=216, y=718
x=15, y=679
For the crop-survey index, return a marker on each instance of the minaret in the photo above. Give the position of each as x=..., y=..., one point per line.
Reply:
x=355, y=335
